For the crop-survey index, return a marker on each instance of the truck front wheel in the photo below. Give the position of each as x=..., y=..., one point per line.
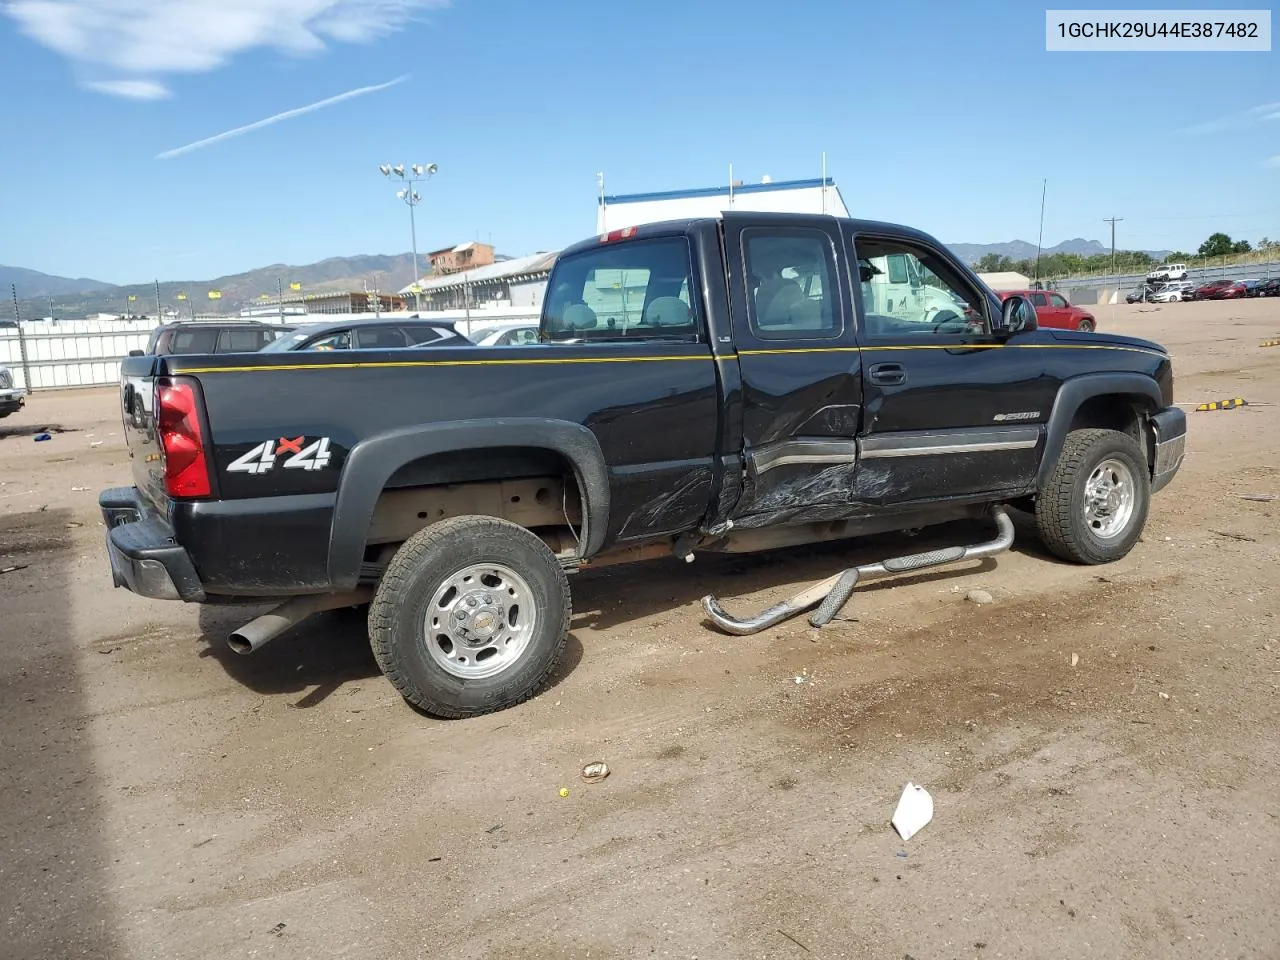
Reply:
x=1094, y=504
x=470, y=617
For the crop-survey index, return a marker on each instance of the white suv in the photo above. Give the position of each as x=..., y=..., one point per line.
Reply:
x=1169, y=271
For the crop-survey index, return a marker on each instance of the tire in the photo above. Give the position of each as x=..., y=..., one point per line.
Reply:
x=1067, y=524
x=1086, y=326
x=433, y=644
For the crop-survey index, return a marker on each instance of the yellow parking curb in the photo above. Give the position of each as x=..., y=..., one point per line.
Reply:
x=1224, y=404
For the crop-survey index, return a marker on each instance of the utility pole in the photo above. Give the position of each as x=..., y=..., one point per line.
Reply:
x=1113, y=221
x=159, y=315
x=280, y=297
x=22, y=340
x=1044, y=187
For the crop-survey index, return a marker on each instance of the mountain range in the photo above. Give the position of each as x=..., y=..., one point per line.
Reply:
x=80, y=296
x=1022, y=250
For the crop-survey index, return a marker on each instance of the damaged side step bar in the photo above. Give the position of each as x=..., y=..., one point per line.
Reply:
x=832, y=593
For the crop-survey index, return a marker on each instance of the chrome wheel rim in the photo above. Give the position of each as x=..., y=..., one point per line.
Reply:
x=1109, y=498
x=480, y=621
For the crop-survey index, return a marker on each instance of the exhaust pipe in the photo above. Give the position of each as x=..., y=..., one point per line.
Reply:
x=832, y=593
x=256, y=633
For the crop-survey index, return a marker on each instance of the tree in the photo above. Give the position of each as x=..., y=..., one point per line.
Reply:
x=993, y=263
x=1241, y=246
x=1218, y=245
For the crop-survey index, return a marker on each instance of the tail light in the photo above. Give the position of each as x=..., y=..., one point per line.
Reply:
x=613, y=236
x=186, y=472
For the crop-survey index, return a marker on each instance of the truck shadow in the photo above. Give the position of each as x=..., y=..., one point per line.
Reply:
x=615, y=595
x=58, y=898
x=315, y=658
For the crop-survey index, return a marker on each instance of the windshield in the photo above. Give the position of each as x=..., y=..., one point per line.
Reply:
x=629, y=290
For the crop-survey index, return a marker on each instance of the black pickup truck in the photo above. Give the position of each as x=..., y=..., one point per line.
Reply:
x=737, y=383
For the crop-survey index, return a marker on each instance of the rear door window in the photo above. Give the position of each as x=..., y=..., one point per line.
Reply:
x=380, y=337
x=1038, y=300
x=622, y=291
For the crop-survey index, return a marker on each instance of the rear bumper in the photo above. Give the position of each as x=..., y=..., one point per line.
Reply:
x=1169, y=430
x=145, y=557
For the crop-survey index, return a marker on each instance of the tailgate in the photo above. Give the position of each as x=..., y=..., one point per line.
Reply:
x=137, y=404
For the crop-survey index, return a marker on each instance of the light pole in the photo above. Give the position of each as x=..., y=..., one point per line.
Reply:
x=1113, y=221
x=415, y=173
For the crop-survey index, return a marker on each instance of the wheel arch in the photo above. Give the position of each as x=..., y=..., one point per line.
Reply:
x=1113, y=401
x=373, y=462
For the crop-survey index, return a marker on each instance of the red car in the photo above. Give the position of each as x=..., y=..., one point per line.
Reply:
x=1221, y=290
x=1053, y=310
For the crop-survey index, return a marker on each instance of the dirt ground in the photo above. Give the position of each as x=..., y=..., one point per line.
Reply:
x=161, y=797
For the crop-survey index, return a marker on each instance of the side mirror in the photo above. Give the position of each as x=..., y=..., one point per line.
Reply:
x=137, y=353
x=1017, y=315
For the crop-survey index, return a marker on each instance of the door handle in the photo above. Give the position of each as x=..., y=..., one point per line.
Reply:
x=887, y=374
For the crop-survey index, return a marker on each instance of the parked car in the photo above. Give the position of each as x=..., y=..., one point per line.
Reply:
x=371, y=333
x=1251, y=287
x=211, y=336
x=11, y=398
x=1141, y=295
x=1053, y=310
x=504, y=336
x=732, y=400
x=1215, y=289
x=1168, y=271
x=1172, y=292
x=1270, y=288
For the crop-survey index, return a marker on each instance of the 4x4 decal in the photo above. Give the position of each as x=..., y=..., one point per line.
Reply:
x=262, y=458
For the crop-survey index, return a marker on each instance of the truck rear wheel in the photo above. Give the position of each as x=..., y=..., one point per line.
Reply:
x=470, y=617
x=1094, y=505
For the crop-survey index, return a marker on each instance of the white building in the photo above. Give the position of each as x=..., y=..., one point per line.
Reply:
x=785, y=196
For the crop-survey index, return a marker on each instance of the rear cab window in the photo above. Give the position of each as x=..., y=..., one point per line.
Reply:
x=622, y=291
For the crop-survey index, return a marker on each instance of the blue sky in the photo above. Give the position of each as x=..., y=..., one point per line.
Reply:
x=942, y=115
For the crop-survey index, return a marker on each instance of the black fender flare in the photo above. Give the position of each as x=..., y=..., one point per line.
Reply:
x=1076, y=391
x=372, y=461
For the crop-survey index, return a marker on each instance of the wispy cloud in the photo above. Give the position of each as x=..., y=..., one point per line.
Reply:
x=1272, y=161
x=126, y=48
x=276, y=118
x=130, y=89
x=1235, y=121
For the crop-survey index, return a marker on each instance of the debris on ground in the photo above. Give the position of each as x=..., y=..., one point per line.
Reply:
x=595, y=772
x=16, y=566
x=1163, y=695
x=795, y=941
x=1259, y=497
x=1233, y=536
x=914, y=811
x=980, y=597
x=43, y=436
x=277, y=930
x=1075, y=658
x=564, y=791
x=79, y=489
